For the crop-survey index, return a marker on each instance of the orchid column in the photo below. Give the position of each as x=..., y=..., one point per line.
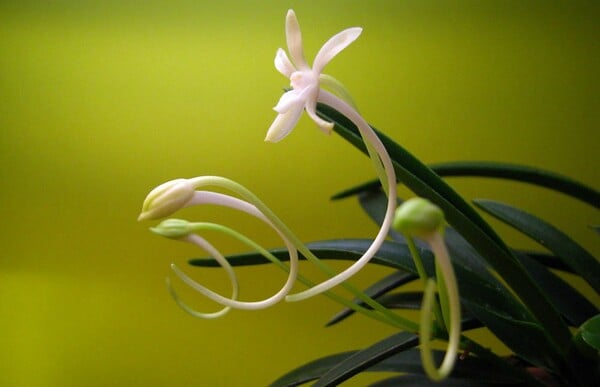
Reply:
x=306, y=92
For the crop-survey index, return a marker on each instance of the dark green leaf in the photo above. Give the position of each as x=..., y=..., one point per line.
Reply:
x=425, y=183
x=311, y=371
x=468, y=369
x=423, y=381
x=521, y=173
x=582, y=262
x=479, y=289
x=401, y=300
x=572, y=305
x=382, y=286
x=548, y=260
x=590, y=332
x=391, y=254
x=368, y=357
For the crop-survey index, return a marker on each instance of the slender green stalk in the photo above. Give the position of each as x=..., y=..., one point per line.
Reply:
x=258, y=208
x=198, y=226
x=424, y=278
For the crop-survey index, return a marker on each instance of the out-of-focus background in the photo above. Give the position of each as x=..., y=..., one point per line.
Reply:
x=100, y=101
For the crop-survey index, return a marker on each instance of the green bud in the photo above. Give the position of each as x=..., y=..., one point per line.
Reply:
x=173, y=228
x=418, y=217
x=166, y=199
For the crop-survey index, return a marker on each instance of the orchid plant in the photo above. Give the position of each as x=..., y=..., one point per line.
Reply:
x=462, y=262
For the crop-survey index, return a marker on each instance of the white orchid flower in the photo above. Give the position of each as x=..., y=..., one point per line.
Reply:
x=305, y=94
x=305, y=81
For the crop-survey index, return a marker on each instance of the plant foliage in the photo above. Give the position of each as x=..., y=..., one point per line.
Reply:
x=521, y=297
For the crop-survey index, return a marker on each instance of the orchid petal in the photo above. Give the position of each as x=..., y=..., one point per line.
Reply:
x=288, y=101
x=325, y=126
x=283, y=64
x=333, y=46
x=294, y=41
x=283, y=124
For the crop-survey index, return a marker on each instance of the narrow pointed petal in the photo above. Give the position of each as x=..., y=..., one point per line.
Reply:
x=288, y=101
x=294, y=41
x=333, y=46
x=283, y=64
x=283, y=124
x=325, y=126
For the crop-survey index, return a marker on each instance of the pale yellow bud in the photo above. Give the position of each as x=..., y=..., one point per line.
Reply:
x=173, y=228
x=166, y=199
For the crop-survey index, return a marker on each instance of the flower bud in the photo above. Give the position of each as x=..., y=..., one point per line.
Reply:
x=418, y=217
x=173, y=228
x=166, y=199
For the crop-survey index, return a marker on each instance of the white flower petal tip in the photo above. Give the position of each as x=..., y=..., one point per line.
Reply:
x=283, y=63
x=293, y=36
x=334, y=46
x=166, y=199
x=283, y=124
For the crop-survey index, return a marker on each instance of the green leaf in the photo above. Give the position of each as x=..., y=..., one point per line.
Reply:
x=522, y=173
x=479, y=289
x=425, y=183
x=548, y=260
x=572, y=305
x=423, y=381
x=514, y=172
x=311, y=371
x=401, y=300
x=590, y=332
x=391, y=254
x=469, y=369
x=379, y=288
x=368, y=357
x=573, y=255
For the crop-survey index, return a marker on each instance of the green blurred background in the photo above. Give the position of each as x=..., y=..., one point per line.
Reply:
x=100, y=101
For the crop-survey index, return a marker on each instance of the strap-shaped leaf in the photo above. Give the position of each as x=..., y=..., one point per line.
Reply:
x=590, y=333
x=379, y=288
x=426, y=183
x=391, y=254
x=368, y=357
x=410, y=380
x=514, y=172
x=548, y=260
x=575, y=308
x=479, y=289
x=311, y=371
x=468, y=369
x=522, y=173
x=576, y=257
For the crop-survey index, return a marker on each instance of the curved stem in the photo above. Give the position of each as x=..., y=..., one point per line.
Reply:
x=216, y=254
x=453, y=322
x=414, y=252
x=205, y=197
x=254, y=206
x=267, y=254
x=388, y=179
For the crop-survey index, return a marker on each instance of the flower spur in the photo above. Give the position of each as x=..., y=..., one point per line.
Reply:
x=306, y=92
